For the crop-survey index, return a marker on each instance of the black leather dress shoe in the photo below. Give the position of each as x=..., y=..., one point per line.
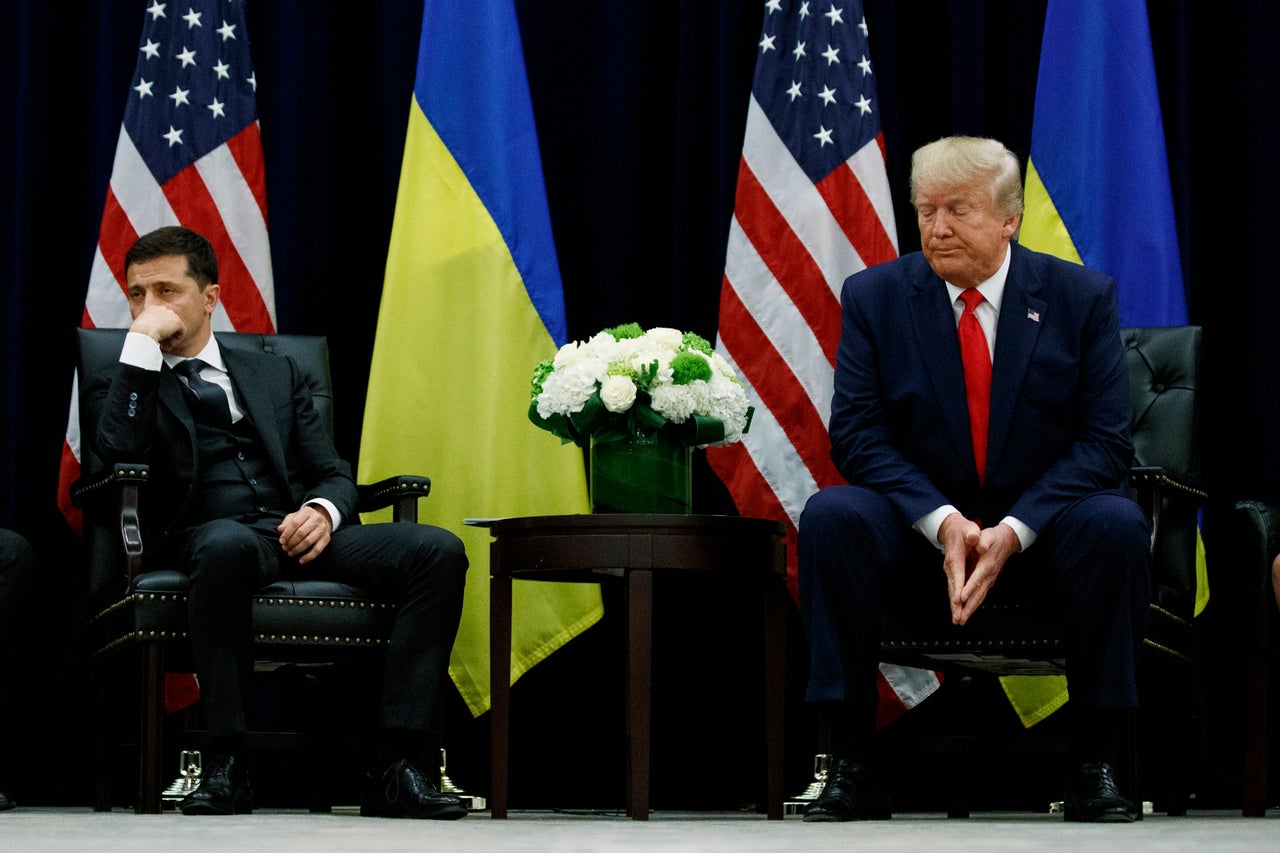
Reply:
x=223, y=789
x=6, y=803
x=1094, y=797
x=402, y=791
x=852, y=792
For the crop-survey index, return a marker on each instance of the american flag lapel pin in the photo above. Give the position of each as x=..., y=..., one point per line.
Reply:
x=1033, y=316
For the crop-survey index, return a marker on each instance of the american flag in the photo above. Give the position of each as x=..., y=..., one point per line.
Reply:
x=189, y=153
x=813, y=207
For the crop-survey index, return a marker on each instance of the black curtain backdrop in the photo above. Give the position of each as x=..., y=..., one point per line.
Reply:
x=640, y=109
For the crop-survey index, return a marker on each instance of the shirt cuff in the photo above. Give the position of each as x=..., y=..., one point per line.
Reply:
x=327, y=506
x=929, y=523
x=139, y=350
x=1026, y=536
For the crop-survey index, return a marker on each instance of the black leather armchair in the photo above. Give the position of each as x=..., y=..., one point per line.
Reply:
x=1017, y=638
x=138, y=620
x=1255, y=534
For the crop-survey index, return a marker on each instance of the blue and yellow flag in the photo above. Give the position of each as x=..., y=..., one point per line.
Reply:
x=472, y=301
x=1098, y=192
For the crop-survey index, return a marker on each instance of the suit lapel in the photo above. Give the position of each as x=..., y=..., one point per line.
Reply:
x=1021, y=314
x=933, y=323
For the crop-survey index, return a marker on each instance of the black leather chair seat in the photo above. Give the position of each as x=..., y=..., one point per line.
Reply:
x=1005, y=638
x=284, y=613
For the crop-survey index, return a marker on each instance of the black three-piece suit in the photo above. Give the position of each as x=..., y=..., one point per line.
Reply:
x=217, y=494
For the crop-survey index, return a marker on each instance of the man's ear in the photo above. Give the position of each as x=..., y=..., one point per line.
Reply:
x=212, y=293
x=1011, y=224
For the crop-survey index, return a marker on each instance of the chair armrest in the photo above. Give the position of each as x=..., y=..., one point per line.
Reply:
x=401, y=492
x=1255, y=541
x=1172, y=504
x=123, y=483
x=1161, y=480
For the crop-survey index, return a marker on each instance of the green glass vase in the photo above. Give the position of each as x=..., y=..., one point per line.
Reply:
x=641, y=474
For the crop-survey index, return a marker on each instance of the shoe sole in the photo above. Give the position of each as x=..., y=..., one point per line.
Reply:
x=828, y=817
x=1071, y=816
x=443, y=813
x=202, y=809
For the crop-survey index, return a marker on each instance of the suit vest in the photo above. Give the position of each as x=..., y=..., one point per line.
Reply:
x=234, y=477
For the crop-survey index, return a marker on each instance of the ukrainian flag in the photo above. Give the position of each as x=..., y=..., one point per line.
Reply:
x=1098, y=192
x=471, y=302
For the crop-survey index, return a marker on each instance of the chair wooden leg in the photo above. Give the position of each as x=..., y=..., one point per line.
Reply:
x=150, y=729
x=499, y=693
x=1254, y=799
x=104, y=737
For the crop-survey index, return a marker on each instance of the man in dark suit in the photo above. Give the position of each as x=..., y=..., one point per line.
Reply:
x=246, y=488
x=981, y=420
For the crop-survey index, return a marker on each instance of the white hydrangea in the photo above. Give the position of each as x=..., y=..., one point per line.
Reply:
x=727, y=401
x=575, y=378
x=677, y=402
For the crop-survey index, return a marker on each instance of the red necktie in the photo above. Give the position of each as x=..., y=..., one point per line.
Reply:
x=977, y=376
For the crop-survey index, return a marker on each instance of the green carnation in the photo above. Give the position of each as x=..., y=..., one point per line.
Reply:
x=688, y=366
x=694, y=341
x=626, y=331
x=541, y=371
x=619, y=368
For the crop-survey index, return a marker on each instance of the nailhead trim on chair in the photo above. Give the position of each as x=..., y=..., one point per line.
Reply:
x=293, y=639
x=129, y=599
x=1163, y=479
x=1166, y=650
x=1163, y=612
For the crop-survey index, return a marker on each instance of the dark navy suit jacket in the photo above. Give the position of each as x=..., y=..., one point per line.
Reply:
x=1060, y=402
x=142, y=415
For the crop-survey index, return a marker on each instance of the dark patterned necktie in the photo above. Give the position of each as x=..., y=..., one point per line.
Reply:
x=209, y=400
x=976, y=357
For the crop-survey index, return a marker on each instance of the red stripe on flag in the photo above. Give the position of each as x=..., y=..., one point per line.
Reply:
x=787, y=259
x=246, y=150
x=115, y=236
x=776, y=385
x=857, y=216
x=68, y=473
x=192, y=202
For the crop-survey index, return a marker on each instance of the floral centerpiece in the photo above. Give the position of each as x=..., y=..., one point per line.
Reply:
x=626, y=380
x=642, y=400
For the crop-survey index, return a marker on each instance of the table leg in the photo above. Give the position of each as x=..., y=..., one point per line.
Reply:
x=499, y=693
x=775, y=657
x=639, y=685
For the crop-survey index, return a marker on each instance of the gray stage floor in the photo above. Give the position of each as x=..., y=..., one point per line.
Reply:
x=82, y=829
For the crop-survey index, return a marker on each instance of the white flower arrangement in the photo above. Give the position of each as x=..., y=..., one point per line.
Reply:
x=625, y=381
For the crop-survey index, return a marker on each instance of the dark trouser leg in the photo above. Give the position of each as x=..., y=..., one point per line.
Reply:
x=1101, y=547
x=849, y=540
x=422, y=569
x=228, y=561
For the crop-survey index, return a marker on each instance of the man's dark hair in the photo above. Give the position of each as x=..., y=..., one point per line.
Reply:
x=202, y=262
